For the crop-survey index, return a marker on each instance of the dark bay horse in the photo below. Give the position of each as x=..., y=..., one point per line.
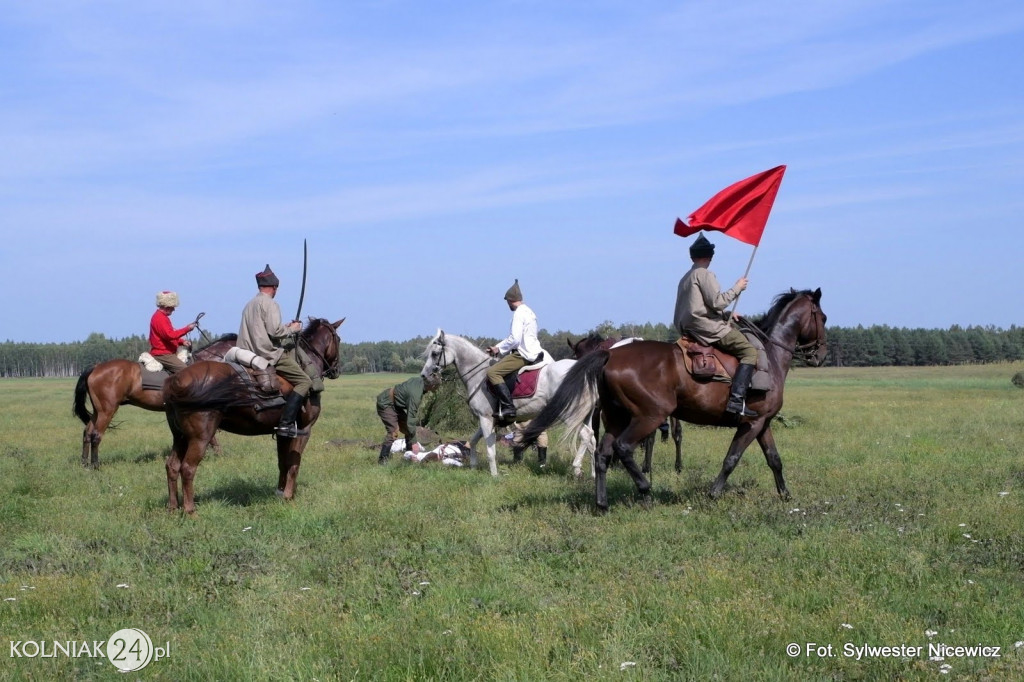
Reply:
x=208, y=396
x=113, y=383
x=594, y=341
x=640, y=384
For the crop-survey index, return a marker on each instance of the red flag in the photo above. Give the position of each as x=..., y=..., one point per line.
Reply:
x=740, y=210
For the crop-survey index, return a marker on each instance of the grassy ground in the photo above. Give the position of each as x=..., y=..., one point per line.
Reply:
x=904, y=531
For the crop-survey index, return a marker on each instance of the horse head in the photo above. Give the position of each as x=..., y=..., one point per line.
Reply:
x=437, y=355
x=320, y=339
x=811, y=332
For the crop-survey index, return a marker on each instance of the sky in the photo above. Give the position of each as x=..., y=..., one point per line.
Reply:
x=432, y=153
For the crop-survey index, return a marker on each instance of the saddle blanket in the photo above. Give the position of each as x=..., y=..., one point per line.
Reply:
x=153, y=381
x=527, y=384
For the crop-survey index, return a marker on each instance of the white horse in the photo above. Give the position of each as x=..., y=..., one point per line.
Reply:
x=471, y=363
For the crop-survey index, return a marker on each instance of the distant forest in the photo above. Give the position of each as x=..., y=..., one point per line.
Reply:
x=847, y=347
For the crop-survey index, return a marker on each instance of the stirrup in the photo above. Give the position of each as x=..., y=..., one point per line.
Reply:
x=741, y=411
x=291, y=430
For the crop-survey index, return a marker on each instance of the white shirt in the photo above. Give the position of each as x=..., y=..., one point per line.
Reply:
x=522, y=335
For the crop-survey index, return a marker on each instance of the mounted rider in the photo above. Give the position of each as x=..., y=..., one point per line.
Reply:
x=700, y=313
x=262, y=332
x=520, y=348
x=164, y=339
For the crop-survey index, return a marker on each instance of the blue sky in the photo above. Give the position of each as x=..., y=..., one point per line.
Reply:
x=430, y=153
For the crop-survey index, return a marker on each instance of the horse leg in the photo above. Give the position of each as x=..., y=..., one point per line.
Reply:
x=179, y=444
x=87, y=445
x=587, y=444
x=677, y=436
x=94, y=434
x=490, y=438
x=472, y=447
x=744, y=437
x=289, y=457
x=640, y=428
x=216, y=446
x=601, y=472
x=648, y=452
x=771, y=454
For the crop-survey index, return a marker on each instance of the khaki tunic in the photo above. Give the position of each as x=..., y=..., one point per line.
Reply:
x=700, y=304
x=261, y=331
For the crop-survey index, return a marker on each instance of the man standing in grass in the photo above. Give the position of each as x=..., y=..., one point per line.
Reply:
x=398, y=408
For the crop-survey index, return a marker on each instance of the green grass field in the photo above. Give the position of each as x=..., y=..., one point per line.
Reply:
x=904, y=531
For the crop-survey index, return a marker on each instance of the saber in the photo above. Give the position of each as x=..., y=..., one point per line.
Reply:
x=302, y=292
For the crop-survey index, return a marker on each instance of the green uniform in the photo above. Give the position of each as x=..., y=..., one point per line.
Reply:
x=398, y=408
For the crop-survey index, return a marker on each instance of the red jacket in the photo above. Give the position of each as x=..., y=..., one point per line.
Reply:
x=163, y=338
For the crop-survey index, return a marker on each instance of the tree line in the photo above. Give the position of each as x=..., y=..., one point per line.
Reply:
x=847, y=347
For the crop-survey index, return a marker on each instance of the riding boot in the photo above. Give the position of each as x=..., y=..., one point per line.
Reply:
x=288, y=427
x=506, y=413
x=385, y=453
x=542, y=456
x=738, y=392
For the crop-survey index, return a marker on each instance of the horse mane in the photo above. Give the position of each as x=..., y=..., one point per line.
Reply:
x=779, y=303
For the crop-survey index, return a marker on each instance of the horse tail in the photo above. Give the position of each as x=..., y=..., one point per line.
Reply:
x=81, y=390
x=573, y=402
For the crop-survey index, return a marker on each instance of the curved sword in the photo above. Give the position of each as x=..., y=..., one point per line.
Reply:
x=302, y=292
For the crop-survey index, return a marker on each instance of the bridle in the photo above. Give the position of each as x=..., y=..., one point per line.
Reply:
x=805, y=351
x=444, y=363
x=330, y=370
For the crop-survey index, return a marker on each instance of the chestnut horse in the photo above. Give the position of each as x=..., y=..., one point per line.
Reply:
x=640, y=384
x=208, y=396
x=113, y=383
x=594, y=341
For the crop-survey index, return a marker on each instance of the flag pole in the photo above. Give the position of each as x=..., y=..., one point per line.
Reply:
x=736, y=301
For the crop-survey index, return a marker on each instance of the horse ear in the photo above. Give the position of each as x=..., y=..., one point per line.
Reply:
x=816, y=296
x=568, y=340
x=338, y=323
x=440, y=336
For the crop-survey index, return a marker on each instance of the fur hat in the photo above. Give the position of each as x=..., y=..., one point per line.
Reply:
x=267, y=278
x=167, y=299
x=702, y=248
x=513, y=293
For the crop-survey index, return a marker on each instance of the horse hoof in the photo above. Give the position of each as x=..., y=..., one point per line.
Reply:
x=279, y=493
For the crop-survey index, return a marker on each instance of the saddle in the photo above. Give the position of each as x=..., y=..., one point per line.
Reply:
x=523, y=384
x=153, y=381
x=705, y=363
x=263, y=385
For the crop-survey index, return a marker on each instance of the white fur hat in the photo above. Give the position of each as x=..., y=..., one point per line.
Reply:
x=167, y=299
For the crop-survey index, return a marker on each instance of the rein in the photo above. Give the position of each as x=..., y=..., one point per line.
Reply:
x=328, y=370
x=444, y=363
x=803, y=350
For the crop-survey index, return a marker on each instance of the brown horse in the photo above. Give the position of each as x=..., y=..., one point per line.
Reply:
x=113, y=383
x=640, y=384
x=594, y=341
x=208, y=396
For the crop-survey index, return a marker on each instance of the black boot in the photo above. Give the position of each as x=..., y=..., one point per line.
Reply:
x=738, y=392
x=288, y=427
x=542, y=456
x=385, y=453
x=506, y=413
